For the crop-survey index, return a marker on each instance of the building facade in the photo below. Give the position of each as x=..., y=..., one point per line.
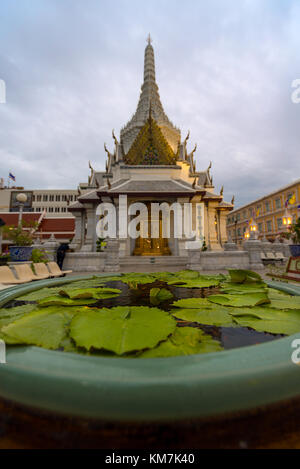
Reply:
x=269, y=213
x=151, y=163
x=53, y=202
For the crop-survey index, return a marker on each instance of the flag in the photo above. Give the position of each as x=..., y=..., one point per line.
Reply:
x=257, y=213
x=292, y=200
x=11, y=176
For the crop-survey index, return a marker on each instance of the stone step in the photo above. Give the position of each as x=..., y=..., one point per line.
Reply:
x=152, y=264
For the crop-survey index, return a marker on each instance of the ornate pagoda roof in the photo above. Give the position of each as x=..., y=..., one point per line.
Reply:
x=150, y=147
x=149, y=97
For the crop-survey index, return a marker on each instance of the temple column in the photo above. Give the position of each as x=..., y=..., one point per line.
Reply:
x=214, y=243
x=90, y=238
x=79, y=231
x=223, y=227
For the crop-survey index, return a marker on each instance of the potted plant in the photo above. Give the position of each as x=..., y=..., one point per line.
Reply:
x=22, y=239
x=294, y=235
x=4, y=258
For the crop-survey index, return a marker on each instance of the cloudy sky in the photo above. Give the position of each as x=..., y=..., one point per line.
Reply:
x=73, y=71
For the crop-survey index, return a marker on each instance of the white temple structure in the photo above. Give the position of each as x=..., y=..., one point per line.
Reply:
x=150, y=163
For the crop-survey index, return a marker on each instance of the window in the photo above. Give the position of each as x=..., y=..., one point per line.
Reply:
x=278, y=203
x=57, y=198
x=239, y=232
x=260, y=227
x=57, y=209
x=51, y=209
x=51, y=198
x=39, y=198
x=71, y=198
x=269, y=226
x=267, y=205
x=245, y=215
x=45, y=198
x=64, y=209
x=279, y=223
x=238, y=217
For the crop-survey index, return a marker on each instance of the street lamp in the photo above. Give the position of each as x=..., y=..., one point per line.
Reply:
x=287, y=219
x=22, y=199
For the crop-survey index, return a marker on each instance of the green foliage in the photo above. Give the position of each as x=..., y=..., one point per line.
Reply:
x=159, y=295
x=243, y=276
x=60, y=301
x=88, y=293
x=45, y=328
x=295, y=232
x=206, y=315
x=100, y=244
x=241, y=300
x=269, y=320
x=184, y=341
x=39, y=256
x=123, y=329
x=19, y=235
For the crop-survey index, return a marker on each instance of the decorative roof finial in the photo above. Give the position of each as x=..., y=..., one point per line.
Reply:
x=149, y=40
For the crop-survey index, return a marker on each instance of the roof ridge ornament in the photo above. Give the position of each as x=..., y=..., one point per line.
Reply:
x=149, y=40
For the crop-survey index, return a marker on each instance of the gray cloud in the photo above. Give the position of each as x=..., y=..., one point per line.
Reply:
x=74, y=68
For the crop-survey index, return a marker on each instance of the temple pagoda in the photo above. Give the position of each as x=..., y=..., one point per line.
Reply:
x=151, y=163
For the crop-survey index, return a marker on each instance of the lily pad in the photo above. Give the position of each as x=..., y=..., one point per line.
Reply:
x=237, y=289
x=268, y=320
x=40, y=294
x=7, y=316
x=43, y=328
x=195, y=283
x=88, y=293
x=215, y=316
x=283, y=301
x=192, y=303
x=60, y=301
x=240, y=300
x=184, y=341
x=159, y=295
x=242, y=276
x=122, y=329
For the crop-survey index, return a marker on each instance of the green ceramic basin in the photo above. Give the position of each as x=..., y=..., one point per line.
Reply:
x=153, y=390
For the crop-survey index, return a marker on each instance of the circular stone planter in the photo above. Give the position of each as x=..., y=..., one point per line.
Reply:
x=163, y=391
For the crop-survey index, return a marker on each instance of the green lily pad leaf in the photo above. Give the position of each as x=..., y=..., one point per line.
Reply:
x=184, y=341
x=92, y=283
x=236, y=289
x=42, y=328
x=216, y=316
x=187, y=275
x=193, y=303
x=7, y=316
x=60, y=301
x=195, y=283
x=122, y=329
x=39, y=294
x=159, y=295
x=241, y=276
x=268, y=320
x=240, y=300
x=279, y=300
x=88, y=293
